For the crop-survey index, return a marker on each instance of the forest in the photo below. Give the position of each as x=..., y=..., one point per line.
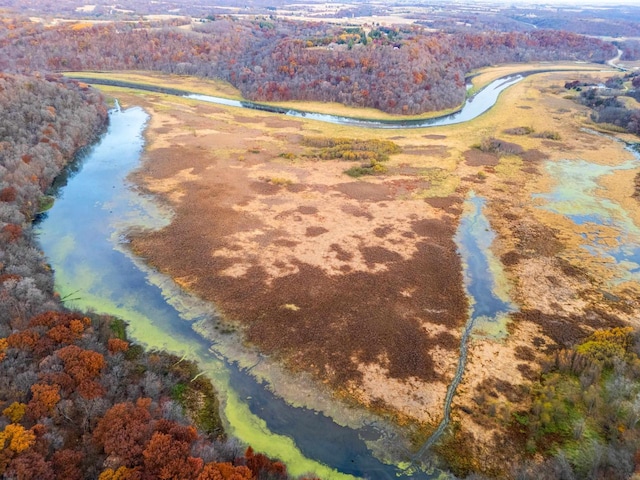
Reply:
x=401, y=70
x=77, y=399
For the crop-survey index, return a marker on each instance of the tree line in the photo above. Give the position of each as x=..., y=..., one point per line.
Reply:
x=403, y=70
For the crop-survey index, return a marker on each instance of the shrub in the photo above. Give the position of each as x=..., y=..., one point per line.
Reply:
x=352, y=149
x=499, y=147
x=548, y=134
x=519, y=131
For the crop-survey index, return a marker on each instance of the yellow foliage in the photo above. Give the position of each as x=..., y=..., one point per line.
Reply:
x=15, y=412
x=122, y=473
x=16, y=438
x=3, y=346
x=81, y=26
x=606, y=344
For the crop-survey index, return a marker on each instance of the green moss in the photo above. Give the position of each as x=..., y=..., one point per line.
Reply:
x=45, y=203
x=119, y=328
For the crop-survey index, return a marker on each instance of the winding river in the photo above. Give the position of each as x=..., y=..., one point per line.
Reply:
x=475, y=105
x=84, y=238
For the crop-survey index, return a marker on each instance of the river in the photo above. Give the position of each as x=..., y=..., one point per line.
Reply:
x=84, y=238
x=473, y=107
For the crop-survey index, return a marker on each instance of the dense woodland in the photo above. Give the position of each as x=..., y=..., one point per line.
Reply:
x=77, y=399
x=399, y=70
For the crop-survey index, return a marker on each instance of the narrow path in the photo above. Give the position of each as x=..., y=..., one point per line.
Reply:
x=451, y=391
x=614, y=62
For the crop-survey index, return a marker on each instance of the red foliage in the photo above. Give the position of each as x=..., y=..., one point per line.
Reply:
x=29, y=466
x=11, y=232
x=167, y=458
x=124, y=431
x=90, y=389
x=66, y=464
x=260, y=464
x=8, y=194
x=9, y=276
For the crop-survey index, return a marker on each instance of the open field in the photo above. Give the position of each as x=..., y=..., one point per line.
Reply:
x=357, y=281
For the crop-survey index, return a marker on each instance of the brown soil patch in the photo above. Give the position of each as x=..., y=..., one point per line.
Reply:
x=364, y=191
x=476, y=158
x=405, y=169
x=440, y=151
x=564, y=331
x=534, y=155
x=449, y=204
x=382, y=232
x=315, y=231
x=434, y=137
x=305, y=210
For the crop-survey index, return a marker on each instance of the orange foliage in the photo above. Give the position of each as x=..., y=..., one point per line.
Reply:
x=23, y=340
x=44, y=398
x=16, y=438
x=81, y=364
x=224, y=471
x=116, y=345
x=51, y=319
x=66, y=334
